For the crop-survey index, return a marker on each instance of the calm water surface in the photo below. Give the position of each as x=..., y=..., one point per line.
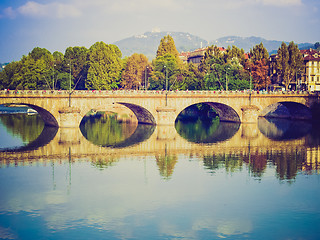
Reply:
x=197, y=180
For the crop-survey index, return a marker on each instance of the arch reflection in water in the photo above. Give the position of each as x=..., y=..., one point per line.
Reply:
x=283, y=129
x=24, y=132
x=210, y=131
x=106, y=131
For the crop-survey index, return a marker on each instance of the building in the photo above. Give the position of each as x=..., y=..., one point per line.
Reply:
x=310, y=79
x=195, y=56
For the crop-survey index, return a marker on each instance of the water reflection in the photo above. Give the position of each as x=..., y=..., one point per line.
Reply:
x=106, y=131
x=162, y=186
x=24, y=132
x=210, y=131
x=287, y=145
x=283, y=129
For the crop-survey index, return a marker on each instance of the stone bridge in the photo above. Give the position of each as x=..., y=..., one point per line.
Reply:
x=66, y=109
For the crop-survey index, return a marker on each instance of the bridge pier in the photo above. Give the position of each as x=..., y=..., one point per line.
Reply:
x=166, y=116
x=250, y=114
x=69, y=117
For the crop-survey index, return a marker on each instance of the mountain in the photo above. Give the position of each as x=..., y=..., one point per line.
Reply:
x=246, y=43
x=148, y=43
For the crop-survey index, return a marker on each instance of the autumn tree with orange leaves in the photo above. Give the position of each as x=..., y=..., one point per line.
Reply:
x=259, y=67
x=136, y=72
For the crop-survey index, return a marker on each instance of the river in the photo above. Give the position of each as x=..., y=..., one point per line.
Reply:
x=197, y=180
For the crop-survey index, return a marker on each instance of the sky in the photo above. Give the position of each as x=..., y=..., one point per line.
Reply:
x=58, y=24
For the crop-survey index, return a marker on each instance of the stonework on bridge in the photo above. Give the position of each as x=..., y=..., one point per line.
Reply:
x=64, y=109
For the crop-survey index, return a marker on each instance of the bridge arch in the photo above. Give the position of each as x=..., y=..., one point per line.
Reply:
x=287, y=109
x=142, y=114
x=225, y=112
x=47, y=117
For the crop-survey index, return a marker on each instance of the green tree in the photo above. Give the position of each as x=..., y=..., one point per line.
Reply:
x=212, y=52
x=76, y=59
x=296, y=64
x=34, y=74
x=104, y=67
x=35, y=71
x=167, y=66
x=186, y=77
x=164, y=73
x=289, y=63
x=167, y=46
x=283, y=64
x=135, y=72
x=235, y=54
x=258, y=53
x=7, y=75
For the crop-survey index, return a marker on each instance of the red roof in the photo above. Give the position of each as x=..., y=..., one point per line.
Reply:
x=310, y=55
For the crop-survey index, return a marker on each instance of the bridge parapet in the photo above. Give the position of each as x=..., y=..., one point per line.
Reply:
x=148, y=92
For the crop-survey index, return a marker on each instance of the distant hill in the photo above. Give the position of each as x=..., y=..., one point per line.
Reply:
x=148, y=43
x=246, y=43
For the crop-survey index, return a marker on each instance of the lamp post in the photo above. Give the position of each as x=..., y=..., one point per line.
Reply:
x=227, y=80
x=166, y=85
x=69, y=64
x=250, y=80
x=53, y=77
x=145, y=78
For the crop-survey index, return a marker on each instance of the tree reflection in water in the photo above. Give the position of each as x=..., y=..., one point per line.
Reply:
x=107, y=131
x=290, y=146
x=26, y=127
x=206, y=131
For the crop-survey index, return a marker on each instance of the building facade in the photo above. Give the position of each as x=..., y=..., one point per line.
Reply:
x=195, y=56
x=310, y=79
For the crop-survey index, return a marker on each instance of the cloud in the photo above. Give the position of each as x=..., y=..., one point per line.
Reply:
x=282, y=3
x=51, y=10
x=143, y=5
x=9, y=13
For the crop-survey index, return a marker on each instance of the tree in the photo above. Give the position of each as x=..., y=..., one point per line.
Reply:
x=167, y=46
x=35, y=71
x=260, y=74
x=283, y=64
x=104, y=67
x=33, y=74
x=7, y=75
x=164, y=72
x=76, y=58
x=259, y=67
x=234, y=53
x=258, y=53
x=187, y=77
x=135, y=72
x=295, y=62
x=289, y=63
x=166, y=66
x=204, y=64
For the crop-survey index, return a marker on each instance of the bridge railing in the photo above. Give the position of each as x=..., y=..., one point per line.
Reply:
x=143, y=92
